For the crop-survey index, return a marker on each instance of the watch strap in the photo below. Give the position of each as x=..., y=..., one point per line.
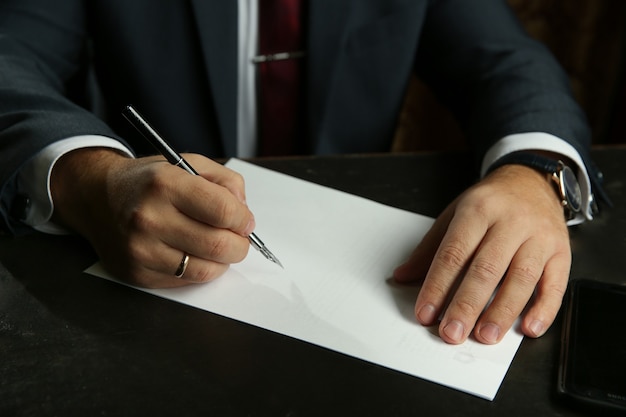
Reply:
x=533, y=160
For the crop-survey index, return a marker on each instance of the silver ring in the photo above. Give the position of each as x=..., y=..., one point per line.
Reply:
x=182, y=267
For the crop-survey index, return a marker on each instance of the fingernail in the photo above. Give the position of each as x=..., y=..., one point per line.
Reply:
x=490, y=333
x=397, y=273
x=241, y=197
x=402, y=274
x=250, y=227
x=454, y=330
x=426, y=315
x=536, y=327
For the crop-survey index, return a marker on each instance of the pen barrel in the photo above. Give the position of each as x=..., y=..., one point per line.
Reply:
x=185, y=165
x=153, y=137
x=256, y=242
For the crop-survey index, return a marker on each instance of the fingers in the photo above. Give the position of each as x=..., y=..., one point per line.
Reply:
x=548, y=296
x=154, y=252
x=530, y=277
x=204, y=220
x=212, y=204
x=215, y=197
x=160, y=272
x=512, y=296
x=463, y=300
x=152, y=213
x=194, y=238
x=416, y=267
x=218, y=174
x=465, y=270
x=495, y=237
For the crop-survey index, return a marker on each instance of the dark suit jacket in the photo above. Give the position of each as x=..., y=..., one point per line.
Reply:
x=175, y=60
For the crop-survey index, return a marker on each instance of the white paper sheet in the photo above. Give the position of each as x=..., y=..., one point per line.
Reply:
x=339, y=251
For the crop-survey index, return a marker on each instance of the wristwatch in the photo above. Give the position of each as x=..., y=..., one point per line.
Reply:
x=567, y=187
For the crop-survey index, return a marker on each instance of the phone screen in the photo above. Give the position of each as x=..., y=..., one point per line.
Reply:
x=593, y=357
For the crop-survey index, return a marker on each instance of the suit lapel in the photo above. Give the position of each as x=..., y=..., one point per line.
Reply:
x=326, y=26
x=216, y=21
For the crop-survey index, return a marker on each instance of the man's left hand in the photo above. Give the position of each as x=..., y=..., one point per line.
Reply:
x=508, y=233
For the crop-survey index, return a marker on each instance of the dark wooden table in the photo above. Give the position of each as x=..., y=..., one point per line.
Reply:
x=75, y=345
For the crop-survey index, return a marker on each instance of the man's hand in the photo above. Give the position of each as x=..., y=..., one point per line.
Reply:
x=508, y=231
x=143, y=215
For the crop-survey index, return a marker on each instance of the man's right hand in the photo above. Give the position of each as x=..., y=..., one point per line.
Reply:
x=143, y=215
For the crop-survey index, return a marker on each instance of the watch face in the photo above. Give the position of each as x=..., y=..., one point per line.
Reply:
x=572, y=189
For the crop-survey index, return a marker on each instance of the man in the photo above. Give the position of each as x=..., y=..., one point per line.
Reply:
x=188, y=66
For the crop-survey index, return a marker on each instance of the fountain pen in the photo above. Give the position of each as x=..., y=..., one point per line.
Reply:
x=175, y=158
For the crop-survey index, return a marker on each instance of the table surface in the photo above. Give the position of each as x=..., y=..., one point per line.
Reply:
x=72, y=344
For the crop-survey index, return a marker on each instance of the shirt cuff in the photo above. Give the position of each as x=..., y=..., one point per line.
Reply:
x=545, y=142
x=34, y=177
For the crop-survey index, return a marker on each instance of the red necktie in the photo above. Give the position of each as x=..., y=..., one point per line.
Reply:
x=279, y=78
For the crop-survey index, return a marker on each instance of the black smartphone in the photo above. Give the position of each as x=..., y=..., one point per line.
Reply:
x=593, y=352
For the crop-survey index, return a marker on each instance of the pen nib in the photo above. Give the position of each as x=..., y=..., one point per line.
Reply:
x=260, y=246
x=269, y=255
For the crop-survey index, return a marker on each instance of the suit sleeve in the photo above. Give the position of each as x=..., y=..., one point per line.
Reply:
x=496, y=79
x=42, y=52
